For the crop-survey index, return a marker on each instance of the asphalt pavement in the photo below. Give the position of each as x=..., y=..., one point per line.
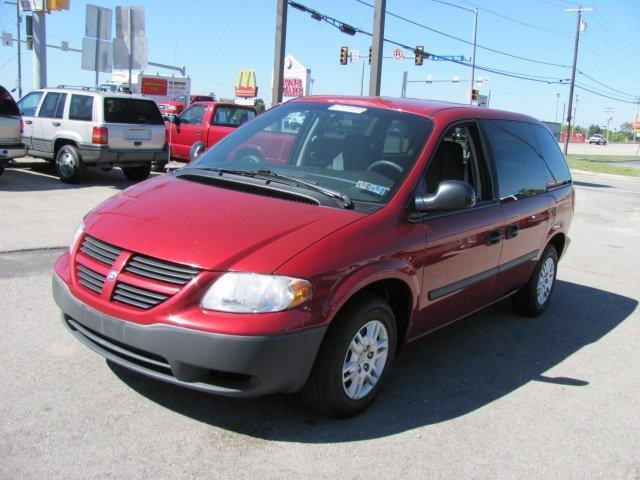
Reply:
x=494, y=396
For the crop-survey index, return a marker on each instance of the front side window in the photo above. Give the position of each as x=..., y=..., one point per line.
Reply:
x=29, y=104
x=81, y=107
x=339, y=147
x=459, y=157
x=521, y=171
x=52, y=105
x=193, y=115
x=131, y=110
x=232, y=116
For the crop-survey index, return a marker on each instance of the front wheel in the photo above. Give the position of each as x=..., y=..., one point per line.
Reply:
x=534, y=297
x=354, y=359
x=137, y=174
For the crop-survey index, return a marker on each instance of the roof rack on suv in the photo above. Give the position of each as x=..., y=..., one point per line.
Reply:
x=82, y=87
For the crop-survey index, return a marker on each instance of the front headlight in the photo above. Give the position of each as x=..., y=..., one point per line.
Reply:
x=76, y=236
x=255, y=293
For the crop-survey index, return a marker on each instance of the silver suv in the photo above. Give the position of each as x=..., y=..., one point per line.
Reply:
x=76, y=127
x=10, y=142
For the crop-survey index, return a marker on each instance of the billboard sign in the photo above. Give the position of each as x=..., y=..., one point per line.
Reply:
x=153, y=85
x=246, y=86
x=296, y=79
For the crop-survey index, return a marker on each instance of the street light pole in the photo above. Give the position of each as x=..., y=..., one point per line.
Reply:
x=376, y=51
x=279, y=52
x=473, y=58
x=18, y=22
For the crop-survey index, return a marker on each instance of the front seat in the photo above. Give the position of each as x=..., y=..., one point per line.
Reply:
x=447, y=164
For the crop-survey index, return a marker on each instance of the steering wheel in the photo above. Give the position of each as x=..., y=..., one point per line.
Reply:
x=384, y=164
x=250, y=156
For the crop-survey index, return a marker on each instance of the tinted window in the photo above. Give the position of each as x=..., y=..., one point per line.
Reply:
x=232, y=116
x=131, y=110
x=7, y=105
x=52, y=105
x=521, y=170
x=552, y=155
x=29, y=103
x=81, y=107
x=193, y=115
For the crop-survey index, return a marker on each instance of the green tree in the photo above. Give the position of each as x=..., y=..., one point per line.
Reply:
x=259, y=104
x=593, y=129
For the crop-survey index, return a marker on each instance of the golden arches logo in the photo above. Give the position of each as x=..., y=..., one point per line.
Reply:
x=246, y=85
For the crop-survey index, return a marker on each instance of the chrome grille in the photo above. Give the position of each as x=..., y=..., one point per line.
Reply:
x=136, y=296
x=161, y=270
x=90, y=279
x=100, y=251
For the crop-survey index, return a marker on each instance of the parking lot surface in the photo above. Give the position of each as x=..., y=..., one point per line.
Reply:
x=494, y=396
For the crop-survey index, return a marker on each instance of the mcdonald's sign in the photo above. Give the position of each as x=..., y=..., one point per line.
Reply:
x=246, y=86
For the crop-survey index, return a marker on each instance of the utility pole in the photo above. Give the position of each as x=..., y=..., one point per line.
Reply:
x=362, y=80
x=19, y=27
x=608, y=116
x=377, y=44
x=279, y=52
x=39, y=50
x=579, y=10
x=403, y=92
x=557, y=103
x=473, y=58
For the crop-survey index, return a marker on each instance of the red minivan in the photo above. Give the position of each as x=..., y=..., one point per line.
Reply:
x=305, y=248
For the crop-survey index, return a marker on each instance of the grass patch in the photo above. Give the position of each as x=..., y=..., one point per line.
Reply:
x=613, y=164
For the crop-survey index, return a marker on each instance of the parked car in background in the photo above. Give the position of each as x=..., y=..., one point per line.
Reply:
x=598, y=139
x=78, y=127
x=203, y=124
x=286, y=259
x=10, y=129
x=179, y=103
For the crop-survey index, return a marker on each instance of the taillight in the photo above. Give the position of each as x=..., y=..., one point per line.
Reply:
x=21, y=126
x=100, y=135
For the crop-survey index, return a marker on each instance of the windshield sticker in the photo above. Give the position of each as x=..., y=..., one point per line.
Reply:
x=370, y=187
x=347, y=108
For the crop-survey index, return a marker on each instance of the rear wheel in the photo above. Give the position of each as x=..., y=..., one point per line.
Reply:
x=69, y=165
x=1, y=167
x=137, y=174
x=159, y=166
x=534, y=297
x=354, y=359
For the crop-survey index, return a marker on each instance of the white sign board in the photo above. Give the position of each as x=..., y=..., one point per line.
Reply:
x=130, y=18
x=483, y=101
x=98, y=22
x=122, y=49
x=7, y=39
x=104, y=59
x=355, y=55
x=398, y=54
x=295, y=79
x=32, y=5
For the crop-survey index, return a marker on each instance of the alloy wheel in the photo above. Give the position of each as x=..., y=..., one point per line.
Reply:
x=365, y=360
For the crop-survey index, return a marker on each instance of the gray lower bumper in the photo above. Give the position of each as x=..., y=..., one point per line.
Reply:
x=107, y=156
x=230, y=365
x=11, y=151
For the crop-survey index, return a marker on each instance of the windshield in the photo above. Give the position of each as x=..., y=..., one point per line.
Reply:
x=362, y=152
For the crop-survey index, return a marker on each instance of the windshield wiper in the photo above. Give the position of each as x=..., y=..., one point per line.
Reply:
x=344, y=198
x=295, y=182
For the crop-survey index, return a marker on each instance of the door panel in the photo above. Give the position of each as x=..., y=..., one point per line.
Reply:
x=459, y=267
x=190, y=130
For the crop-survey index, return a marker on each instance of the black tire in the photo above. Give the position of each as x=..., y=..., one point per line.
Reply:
x=1, y=167
x=137, y=174
x=324, y=389
x=69, y=164
x=526, y=301
x=159, y=167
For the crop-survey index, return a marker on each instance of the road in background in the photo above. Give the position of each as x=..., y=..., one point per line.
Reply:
x=494, y=396
x=630, y=149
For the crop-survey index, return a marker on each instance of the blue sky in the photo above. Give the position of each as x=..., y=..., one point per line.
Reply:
x=216, y=38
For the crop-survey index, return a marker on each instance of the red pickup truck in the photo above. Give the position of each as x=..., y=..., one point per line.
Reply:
x=205, y=122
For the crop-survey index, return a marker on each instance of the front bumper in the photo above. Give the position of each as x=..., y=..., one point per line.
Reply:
x=11, y=151
x=108, y=156
x=230, y=365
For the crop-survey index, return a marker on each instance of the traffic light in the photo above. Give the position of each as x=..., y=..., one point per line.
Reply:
x=474, y=95
x=57, y=4
x=370, y=54
x=419, y=52
x=344, y=55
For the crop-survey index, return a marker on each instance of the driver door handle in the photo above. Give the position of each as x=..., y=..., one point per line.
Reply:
x=493, y=237
x=56, y=124
x=511, y=231
x=28, y=122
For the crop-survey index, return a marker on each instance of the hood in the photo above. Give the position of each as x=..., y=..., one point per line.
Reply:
x=211, y=227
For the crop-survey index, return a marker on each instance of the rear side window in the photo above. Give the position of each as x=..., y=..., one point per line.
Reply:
x=521, y=171
x=232, y=116
x=52, y=105
x=81, y=107
x=131, y=110
x=29, y=103
x=552, y=155
x=8, y=106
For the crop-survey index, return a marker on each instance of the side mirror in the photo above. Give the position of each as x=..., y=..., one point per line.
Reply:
x=196, y=150
x=451, y=195
x=175, y=119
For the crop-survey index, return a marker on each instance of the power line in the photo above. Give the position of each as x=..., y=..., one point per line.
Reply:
x=604, y=85
x=605, y=96
x=483, y=47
